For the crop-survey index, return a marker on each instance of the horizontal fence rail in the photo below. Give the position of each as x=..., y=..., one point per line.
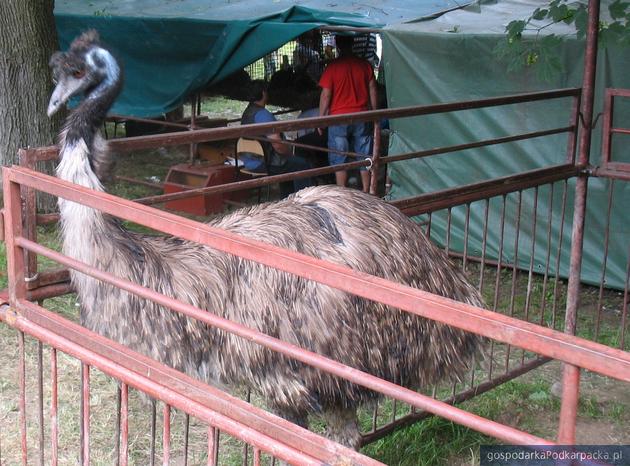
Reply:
x=474, y=192
x=588, y=355
x=259, y=129
x=512, y=331
x=282, y=439
x=514, y=336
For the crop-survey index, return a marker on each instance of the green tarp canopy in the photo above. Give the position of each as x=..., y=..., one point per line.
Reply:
x=171, y=48
x=451, y=58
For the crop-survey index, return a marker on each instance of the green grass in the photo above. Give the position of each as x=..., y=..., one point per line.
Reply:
x=220, y=107
x=434, y=441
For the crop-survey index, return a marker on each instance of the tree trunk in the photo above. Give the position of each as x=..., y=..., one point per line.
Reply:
x=27, y=39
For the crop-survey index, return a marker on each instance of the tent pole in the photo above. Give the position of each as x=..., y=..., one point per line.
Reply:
x=571, y=374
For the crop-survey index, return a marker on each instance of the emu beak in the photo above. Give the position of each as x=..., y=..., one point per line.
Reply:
x=63, y=91
x=56, y=99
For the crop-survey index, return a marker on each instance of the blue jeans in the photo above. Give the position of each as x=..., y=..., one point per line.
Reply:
x=357, y=136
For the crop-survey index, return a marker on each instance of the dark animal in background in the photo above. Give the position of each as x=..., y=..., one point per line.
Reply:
x=340, y=225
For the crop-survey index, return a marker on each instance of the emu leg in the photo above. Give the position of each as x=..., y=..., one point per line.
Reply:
x=343, y=427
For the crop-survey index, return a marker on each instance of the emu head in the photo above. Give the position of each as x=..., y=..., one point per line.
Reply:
x=86, y=68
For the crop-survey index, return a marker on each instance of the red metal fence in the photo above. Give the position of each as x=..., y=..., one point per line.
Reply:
x=523, y=335
x=520, y=342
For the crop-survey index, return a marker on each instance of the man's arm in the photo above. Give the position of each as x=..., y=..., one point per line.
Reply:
x=324, y=105
x=324, y=101
x=373, y=90
x=278, y=145
x=265, y=116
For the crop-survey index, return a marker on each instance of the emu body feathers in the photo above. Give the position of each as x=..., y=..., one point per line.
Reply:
x=340, y=225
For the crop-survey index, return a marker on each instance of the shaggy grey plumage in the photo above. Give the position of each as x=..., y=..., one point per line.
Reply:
x=340, y=225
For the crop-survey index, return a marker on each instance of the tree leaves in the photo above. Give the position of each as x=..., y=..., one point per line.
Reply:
x=618, y=9
x=539, y=50
x=515, y=28
x=540, y=14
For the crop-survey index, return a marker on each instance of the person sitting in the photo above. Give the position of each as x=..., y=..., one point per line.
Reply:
x=280, y=156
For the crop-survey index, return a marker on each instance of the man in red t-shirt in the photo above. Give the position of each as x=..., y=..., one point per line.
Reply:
x=348, y=86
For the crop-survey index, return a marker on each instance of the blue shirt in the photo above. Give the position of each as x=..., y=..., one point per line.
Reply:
x=264, y=116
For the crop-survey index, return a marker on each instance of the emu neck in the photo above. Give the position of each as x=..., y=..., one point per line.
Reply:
x=83, y=228
x=81, y=142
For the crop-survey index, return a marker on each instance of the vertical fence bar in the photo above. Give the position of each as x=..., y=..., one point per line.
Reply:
x=118, y=421
x=543, y=299
x=153, y=432
x=54, y=418
x=81, y=416
x=16, y=267
x=532, y=254
x=374, y=416
x=484, y=244
x=530, y=274
x=216, y=446
x=569, y=404
x=248, y=398
x=472, y=371
x=124, y=425
x=30, y=207
x=22, y=402
x=600, y=296
x=256, y=457
x=607, y=121
x=186, y=434
x=466, y=225
x=448, y=230
x=556, y=281
x=376, y=160
x=40, y=400
x=213, y=440
x=166, y=435
x=85, y=414
x=573, y=135
x=517, y=231
x=394, y=408
x=571, y=374
x=245, y=459
x=497, y=282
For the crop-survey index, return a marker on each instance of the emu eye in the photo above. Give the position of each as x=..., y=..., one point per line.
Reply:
x=78, y=74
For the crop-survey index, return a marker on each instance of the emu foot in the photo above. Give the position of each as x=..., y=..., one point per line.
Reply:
x=342, y=427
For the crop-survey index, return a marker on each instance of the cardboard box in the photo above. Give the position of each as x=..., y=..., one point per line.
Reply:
x=183, y=177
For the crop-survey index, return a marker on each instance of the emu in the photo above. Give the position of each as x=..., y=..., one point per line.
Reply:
x=339, y=225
